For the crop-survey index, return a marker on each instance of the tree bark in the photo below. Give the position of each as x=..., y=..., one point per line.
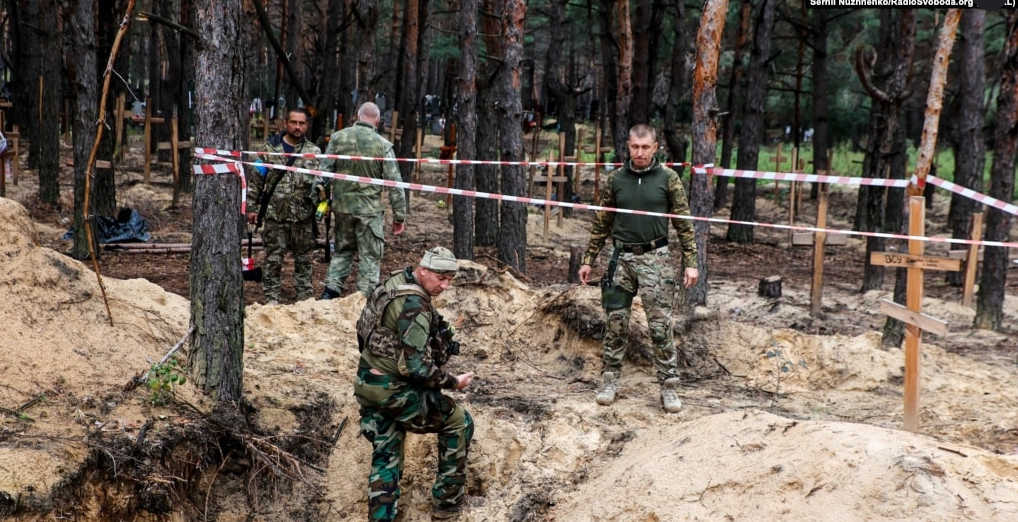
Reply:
x=82, y=70
x=735, y=91
x=894, y=330
x=45, y=145
x=704, y=130
x=561, y=83
x=897, y=47
x=643, y=82
x=408, y=91
x=512, y=237
x=752, y=132
x=624, y=78
x=487, y=176
x=367, y=23
x=324, y=123
x=466, y=116
x=609, y=67
x=970, y=147
x=678, y=89
x=216, y=359
x=821, y=125
x=990, y=302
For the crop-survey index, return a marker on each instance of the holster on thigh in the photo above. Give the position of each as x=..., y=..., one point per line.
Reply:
x=614, y=297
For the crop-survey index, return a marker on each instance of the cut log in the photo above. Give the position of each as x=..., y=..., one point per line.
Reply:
x=770, y=287
x=575, y=260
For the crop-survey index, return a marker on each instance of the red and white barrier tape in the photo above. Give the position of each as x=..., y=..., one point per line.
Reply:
x=224, y=168
x=971, y=194
x=583, y=206
x=431, y=161
x=797, y=176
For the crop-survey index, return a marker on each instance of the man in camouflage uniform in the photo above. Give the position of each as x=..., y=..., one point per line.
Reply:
x=290, y=198
x=358, y=206
x=640, y=261
x=404, y=343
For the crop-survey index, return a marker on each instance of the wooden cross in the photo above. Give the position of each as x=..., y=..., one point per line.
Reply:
x=915, y=321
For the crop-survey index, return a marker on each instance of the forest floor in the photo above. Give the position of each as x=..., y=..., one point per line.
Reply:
x=799, y=417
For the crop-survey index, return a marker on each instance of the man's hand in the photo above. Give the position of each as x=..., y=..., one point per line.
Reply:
x=252, y=217
x=463, y=380
x=398, y=228
x=690, y=277
x=584, y=273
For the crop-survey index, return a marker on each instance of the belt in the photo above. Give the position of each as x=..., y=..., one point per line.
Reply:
x=642, y=248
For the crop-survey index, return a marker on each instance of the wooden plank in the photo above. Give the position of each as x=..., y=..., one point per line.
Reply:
x=118, y=148
x=174, y=149
x=973, y=260
x=6, y=104
x=541, y=178
x=817, y=284
x=15, y=139
x=392, y=128
x=561, y=174
x=597, y=159
x=919, y=319
x=148, y=140
x=103, y=164
x=912, y=261
x=807, y=238
x=168, y=145
x=914, y=299
x=157, y=119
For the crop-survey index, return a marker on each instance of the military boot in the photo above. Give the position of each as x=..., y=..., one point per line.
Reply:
x=609, y=387
x=669, y=399
x=328, y=293
x=447, y=512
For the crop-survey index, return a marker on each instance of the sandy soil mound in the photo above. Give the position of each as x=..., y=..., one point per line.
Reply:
x=802, y=426
x=62, y=360
x=753, y=465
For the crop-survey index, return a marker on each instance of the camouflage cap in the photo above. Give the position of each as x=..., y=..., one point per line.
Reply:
x=439, y=259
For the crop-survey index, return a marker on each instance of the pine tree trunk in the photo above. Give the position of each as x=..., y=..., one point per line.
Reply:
x=512, y=237
x=624, y=87
x=185, y=102
x=324, y=124
x=487, y=176
x=736, y=88
x=641, y=75
x=990, y=302
x=970, y=148
x=216, y=358
x=82, y=31
x=821, y=126
x=104, y=187
x=368, y=26
x=609, y=66
x=462, y=207
x=705, y=133
x=409, y=92
x=678, y=89
x=752, y=132
x=897, y=47
x=46, y=143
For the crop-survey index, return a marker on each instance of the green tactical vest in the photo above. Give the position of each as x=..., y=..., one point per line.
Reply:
x=372, y=335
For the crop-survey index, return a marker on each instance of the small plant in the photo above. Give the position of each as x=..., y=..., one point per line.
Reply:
x=161, y=380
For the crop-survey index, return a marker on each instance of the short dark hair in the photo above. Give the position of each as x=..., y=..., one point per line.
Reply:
x=302, y=110
x=642, y=130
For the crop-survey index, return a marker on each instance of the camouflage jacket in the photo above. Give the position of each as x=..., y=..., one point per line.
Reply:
x=657, y=189
x=295, y=197
x=395, y=333
x=361, y=199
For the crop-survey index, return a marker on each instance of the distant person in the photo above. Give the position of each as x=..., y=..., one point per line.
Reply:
x=640, y=261
x=286, y=203
x=404, y=343
x=358, y=206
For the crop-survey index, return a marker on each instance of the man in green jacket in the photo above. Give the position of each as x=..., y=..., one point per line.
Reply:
x=404, y=343
x=289, y=199
x=640, y=261
x=358, y=206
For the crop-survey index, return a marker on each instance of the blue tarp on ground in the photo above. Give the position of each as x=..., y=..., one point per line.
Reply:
x=128, y=227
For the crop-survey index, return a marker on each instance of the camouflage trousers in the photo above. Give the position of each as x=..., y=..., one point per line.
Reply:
x=364, y=236
x=389, y=409
x=651, y=274
x=281, y=237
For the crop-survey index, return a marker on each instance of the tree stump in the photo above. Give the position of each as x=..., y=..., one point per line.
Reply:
x=575, y=261
x=770, y=287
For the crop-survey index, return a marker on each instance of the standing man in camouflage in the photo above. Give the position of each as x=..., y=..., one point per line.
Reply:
x=640, y=260
x=404, y=343
x=358, y=206
x=286, y=202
